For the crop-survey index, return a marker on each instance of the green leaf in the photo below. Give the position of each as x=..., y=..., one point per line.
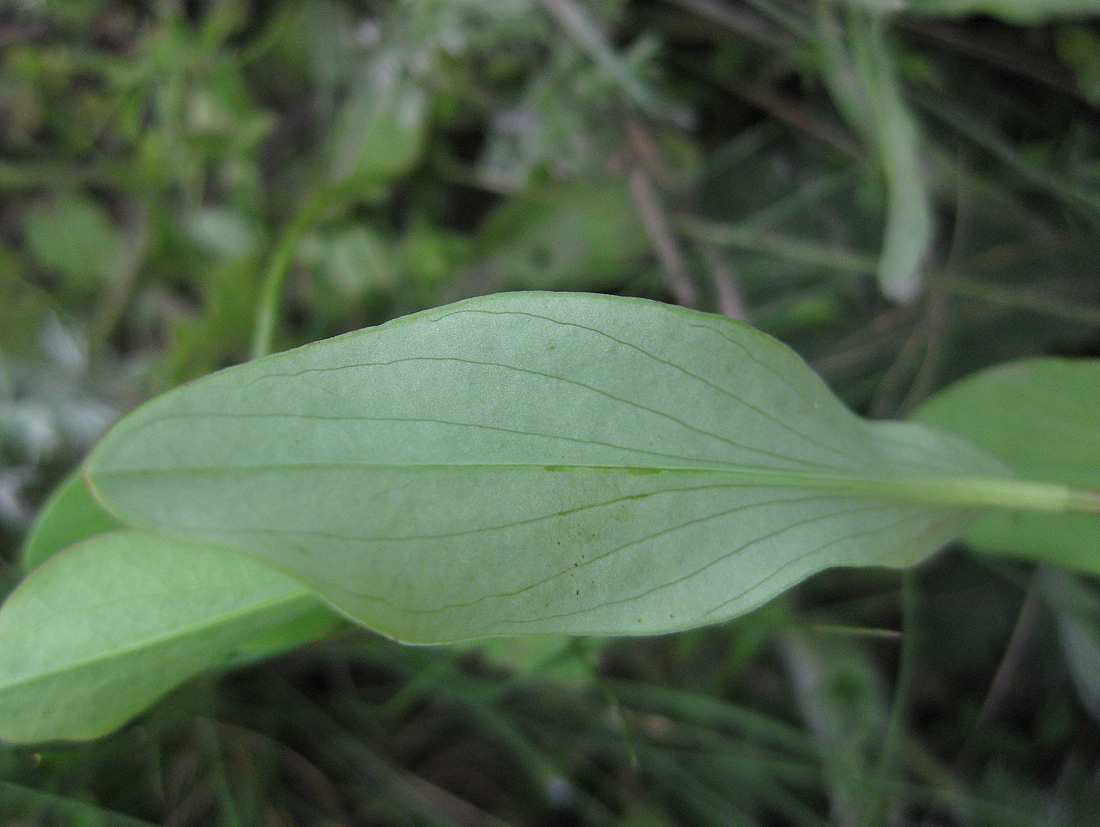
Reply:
x=1075, y=606
x=381, y=129
x=70, y=515
x=1039, y=416
x=542, y=464
x=563, y=237
x=863, y=78
x=100, y=631
x=74, y=237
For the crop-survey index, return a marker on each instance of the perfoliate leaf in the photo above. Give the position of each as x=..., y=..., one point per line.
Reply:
x=101, y=630
x=539, y=463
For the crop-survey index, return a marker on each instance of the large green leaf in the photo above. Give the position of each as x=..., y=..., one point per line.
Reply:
x=100, y=631
x=539, y=463
x=1042, y=418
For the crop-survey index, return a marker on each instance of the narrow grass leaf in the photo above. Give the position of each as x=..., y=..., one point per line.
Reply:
x=1076, y=609
x=1020, y=12
x=539, y=463
x=98, y=632
x=863, y=78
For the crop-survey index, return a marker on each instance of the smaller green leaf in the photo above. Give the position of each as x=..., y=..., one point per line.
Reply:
x=75, y=238
x=1040, y=417
x=71, y=514
x=561, y=238
x=99, y=631
x=1076, y=610
x=381, y=130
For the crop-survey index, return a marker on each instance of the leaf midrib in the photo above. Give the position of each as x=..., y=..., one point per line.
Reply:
x=925, y=489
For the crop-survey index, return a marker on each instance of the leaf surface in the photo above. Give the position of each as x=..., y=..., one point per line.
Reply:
x=537, y=463
x=70, y=515
x=1041, y=417
x=101, y=630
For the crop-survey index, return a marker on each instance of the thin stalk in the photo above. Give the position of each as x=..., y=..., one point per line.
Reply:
x=878, y=811
x=278, y=267
x=1023, y=299
x=961, y=491
x=777, y=244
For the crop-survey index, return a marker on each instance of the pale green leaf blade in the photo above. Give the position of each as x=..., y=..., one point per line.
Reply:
x=1041, y=417
x=315, y=623
x=101, y=630
x=70, y=515
x=537, y=463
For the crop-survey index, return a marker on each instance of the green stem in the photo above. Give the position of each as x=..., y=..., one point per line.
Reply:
x=959, y=491
x=1023, y=299
x=1027, y=495
x=785, y=246
x=278, y=266
x=878, y=809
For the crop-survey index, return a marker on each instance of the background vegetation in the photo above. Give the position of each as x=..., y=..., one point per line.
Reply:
x=186, y=184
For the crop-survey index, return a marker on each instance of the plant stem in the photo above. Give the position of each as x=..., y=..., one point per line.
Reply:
x=278, y=266
x=987, y=492
x=960, y=491
x=878, y=809
x=777, y=244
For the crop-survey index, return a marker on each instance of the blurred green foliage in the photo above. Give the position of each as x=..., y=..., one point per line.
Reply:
x=183, y=184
